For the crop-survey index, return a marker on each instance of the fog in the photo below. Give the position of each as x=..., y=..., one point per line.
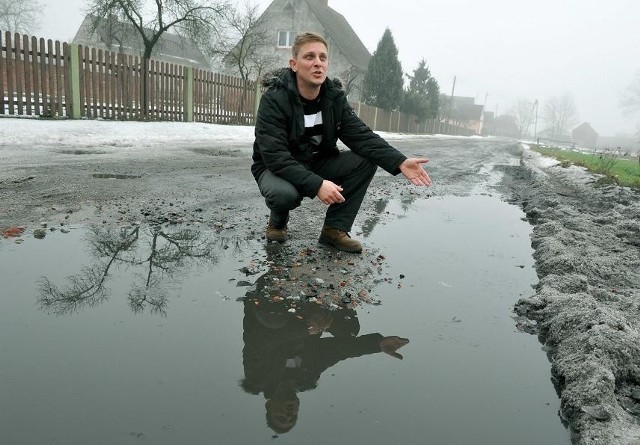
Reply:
x=498, y=50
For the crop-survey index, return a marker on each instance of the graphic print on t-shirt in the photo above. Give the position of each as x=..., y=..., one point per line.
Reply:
x=312, y=124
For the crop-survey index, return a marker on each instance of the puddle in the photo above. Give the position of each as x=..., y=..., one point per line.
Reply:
x=166, y=336
x=473, y=377
x=218, y=152
x=114, y=176
x=81, y=152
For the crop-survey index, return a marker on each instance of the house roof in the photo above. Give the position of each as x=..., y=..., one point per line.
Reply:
x=341, y=34
x=584, y=129
x=170, y=47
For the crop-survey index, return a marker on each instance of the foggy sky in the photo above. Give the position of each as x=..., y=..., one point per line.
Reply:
x=500, y=49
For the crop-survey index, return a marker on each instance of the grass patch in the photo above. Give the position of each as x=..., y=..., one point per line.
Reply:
x=624, y=172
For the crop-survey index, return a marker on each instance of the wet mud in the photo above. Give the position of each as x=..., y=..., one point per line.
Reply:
x=587, y=303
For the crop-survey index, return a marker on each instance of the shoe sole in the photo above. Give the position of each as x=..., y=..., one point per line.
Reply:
x=330, y=242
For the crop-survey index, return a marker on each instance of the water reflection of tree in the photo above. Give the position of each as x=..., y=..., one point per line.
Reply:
x=160, y=254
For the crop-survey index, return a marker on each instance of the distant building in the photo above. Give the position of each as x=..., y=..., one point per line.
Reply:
x=462, y=112
x=505, y=125
x=550, y=135
x=348, y=57
x=489, y=123
x=122, y=37
x=585, y=136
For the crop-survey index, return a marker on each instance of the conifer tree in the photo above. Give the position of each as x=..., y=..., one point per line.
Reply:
x=383, y=82
x=433, y=95
x=422, y=96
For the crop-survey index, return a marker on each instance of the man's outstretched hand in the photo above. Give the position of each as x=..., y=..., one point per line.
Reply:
x=412, y=169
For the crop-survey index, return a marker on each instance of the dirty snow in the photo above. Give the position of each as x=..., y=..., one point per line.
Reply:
x=130, y=135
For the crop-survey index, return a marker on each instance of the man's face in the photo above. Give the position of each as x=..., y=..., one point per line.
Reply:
x=311, y=64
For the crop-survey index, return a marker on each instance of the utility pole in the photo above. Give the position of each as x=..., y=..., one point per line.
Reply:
x=484, y=107
x=535, y=125
x=453, y=89
x=525, y=132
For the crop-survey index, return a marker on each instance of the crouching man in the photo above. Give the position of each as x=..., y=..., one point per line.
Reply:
x=300, y=118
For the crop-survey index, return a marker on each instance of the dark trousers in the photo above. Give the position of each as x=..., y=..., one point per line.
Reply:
x=348, y=170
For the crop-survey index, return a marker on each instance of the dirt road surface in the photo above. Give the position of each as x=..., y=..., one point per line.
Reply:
x=585, y=309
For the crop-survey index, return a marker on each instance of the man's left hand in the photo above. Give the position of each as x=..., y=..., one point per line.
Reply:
x=412, y=169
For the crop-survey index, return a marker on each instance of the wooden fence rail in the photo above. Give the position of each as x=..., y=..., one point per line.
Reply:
x=61, y=80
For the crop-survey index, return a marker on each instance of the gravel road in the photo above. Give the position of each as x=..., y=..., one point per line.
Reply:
x=585, y=309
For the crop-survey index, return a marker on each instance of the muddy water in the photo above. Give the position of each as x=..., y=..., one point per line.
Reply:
x=137, y=335
x=473, y=377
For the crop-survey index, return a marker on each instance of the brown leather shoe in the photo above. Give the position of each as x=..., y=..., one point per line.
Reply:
x=339, y=239
x=274, y=234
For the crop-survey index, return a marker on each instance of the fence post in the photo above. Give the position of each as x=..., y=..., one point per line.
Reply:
x=375, y=118
x=74, y=80
x=256, y=102
x=188, y=96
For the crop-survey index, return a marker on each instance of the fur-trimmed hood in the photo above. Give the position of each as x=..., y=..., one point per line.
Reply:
x=283, y=77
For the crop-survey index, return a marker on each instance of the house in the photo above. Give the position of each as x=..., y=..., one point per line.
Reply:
x=122, y=37
x=549, y=135
x=348, y=57
x=585, y=136
x=462, y=112
x=488, y=123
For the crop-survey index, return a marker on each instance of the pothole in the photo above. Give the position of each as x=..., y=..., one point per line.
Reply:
x=114, y=176
x=81, y=152
x=217, y=152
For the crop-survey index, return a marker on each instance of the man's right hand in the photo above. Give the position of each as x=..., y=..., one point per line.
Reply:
x=389, y=345
x=329, y=193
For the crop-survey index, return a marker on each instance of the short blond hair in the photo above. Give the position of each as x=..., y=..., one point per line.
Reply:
x=304, y=38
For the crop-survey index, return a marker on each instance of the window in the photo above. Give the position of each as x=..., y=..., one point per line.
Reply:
x=285, y=38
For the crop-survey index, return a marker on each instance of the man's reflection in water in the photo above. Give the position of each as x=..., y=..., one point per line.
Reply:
x=285, y=352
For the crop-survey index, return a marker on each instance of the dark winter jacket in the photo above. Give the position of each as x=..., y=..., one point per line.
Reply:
x=280, y=125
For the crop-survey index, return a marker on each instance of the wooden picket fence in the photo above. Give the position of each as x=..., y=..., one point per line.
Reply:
x=397, y=122
x=31, y=76
x=35, y=79
x=50, y=79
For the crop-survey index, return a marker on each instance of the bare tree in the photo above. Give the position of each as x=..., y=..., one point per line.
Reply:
x=352, y=81
x=196, y=20
x=244, y=46
x=20, y=15
x=560, y=115
x=522, y=113
x=630, y=97
x=112, y=32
